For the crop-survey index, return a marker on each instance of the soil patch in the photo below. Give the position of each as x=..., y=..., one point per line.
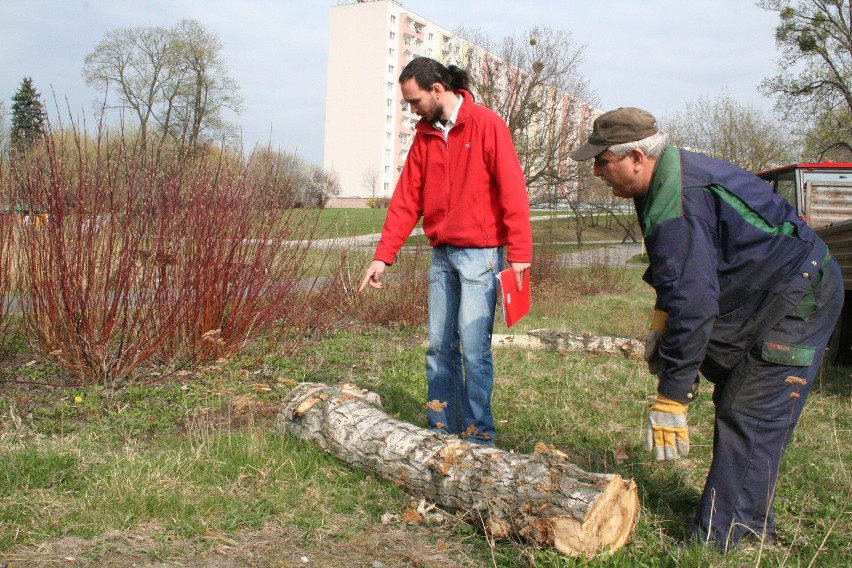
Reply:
x=378, y=546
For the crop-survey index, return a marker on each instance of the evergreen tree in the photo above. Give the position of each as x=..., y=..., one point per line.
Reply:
x=28, y=115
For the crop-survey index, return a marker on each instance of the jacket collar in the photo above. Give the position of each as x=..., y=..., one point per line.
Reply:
x=464, y=114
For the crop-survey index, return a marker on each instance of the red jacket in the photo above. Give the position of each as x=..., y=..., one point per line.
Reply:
x=469, y=190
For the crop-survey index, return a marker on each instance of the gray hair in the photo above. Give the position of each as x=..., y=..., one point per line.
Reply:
x=653, y=146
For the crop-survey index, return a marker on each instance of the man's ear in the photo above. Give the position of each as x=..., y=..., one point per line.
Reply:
x=438, y=88
x=639, y=159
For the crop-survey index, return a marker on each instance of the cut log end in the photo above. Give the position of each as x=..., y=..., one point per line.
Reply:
x=607, y=526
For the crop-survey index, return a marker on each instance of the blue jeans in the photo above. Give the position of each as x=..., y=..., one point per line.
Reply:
x=459, y=367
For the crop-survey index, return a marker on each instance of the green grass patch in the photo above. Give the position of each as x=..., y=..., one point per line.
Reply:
x=350, y=222
x=196, y=460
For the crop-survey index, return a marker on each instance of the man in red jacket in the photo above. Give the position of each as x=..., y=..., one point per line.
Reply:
x=463, y=177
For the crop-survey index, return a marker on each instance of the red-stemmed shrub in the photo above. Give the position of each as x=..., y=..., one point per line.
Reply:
x=139, y=261
x=11, y=216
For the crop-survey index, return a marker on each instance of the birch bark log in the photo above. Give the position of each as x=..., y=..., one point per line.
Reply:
x=540, y=498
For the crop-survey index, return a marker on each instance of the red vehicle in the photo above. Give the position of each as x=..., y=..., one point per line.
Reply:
x=822, y=194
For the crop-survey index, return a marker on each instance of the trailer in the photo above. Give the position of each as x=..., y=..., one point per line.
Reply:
x=822, y=195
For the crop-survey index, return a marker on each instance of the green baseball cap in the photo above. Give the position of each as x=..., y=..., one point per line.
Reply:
x=625, y=124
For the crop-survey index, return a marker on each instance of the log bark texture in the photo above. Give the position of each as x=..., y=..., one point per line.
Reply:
x=565, y=341
x=540, y=498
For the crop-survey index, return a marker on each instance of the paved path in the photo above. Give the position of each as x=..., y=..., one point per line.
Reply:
x=345, y=243
x=364, y=240
x=609, y=253
x=606, y=252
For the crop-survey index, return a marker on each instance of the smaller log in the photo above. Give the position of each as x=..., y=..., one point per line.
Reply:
x=565, y=341
x=540, y=498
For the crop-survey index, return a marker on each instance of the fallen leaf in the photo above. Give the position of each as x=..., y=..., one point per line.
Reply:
x=436, y=405
x=620, y=453
x=411, y=516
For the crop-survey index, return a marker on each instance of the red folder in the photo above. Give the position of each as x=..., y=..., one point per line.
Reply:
x=516, y=303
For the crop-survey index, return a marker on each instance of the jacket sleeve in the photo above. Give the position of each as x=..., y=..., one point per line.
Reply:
x=512, y=188
x=406, y=206
x=683, y=272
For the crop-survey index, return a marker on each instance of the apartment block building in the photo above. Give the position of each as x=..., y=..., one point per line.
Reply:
x=368, y=127
x=367, y=131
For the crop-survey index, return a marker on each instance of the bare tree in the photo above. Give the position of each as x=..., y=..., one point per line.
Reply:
x=285, y=180
x=729, y=130
x=202, y=88
x=370, y=180
x=814, y=86
x=830, y=137
x=533, y=81
x=4, y=131
x=172, y=79
x=132, y=62
x=323, y=185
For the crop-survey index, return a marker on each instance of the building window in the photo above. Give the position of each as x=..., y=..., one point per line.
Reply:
x=390, y=69
x=388, y=136
x=393, y=18
x=390, y=85
x=393, y=35
x=389, y=103
x=391, y=52
x=387, y=187
x=387, y=153
x=387, y=169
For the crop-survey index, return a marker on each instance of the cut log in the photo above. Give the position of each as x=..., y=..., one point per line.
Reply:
x=566, y=341
x=540, y=498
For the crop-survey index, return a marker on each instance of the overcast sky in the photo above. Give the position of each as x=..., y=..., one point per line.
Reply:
x=655, y=54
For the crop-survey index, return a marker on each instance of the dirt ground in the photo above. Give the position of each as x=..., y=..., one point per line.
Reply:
x=381, y=546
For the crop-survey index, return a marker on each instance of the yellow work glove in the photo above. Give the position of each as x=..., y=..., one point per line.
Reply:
x=667, y=435
x=652, y=341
